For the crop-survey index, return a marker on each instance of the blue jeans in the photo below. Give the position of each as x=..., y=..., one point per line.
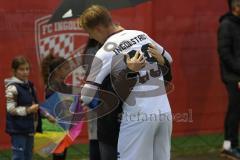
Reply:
x=22, y=147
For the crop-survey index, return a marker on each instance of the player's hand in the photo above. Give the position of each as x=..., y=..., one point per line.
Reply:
x=81, y=81
x=33, y=109
x=137, y=62
x=85, y=107
x=156, y=54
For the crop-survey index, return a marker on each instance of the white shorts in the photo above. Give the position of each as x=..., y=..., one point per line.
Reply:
x=145, y=139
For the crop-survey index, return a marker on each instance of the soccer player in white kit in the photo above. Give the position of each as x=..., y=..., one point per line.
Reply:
x=146, y=126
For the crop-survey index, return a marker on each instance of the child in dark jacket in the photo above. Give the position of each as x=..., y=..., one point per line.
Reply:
x=23, y=114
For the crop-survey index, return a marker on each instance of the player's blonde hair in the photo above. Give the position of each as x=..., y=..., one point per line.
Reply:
x=95, y=15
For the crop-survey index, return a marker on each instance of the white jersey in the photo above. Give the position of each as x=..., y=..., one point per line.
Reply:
x=148, y=97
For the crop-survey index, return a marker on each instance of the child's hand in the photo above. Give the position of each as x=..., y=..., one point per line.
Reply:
x=33, y=109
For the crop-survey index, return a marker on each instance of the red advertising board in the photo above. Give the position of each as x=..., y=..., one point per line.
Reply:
x=187, y=29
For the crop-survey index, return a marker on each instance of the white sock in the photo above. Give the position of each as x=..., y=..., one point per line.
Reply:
x=227, y=145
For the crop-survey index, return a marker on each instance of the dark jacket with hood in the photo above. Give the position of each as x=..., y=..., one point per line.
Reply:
x=229, y=47
x=26, y=96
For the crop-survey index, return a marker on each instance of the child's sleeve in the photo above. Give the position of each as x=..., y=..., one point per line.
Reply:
x=11, y=98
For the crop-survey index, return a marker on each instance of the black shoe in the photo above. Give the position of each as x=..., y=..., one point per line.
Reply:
x=233, y=154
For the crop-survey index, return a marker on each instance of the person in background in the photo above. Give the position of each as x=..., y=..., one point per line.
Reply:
x=229, y=55
x=48, y=65
x=23, y=114
x=94, y=150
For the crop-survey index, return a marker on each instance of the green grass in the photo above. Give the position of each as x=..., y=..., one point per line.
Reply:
x=47, y=126
x=75, y=152
x=181, y=146
x=197, y=145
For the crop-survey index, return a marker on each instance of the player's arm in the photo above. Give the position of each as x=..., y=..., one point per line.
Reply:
x=100, y=68
x=156, y=54
x=166, y=55
x=163, y=57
